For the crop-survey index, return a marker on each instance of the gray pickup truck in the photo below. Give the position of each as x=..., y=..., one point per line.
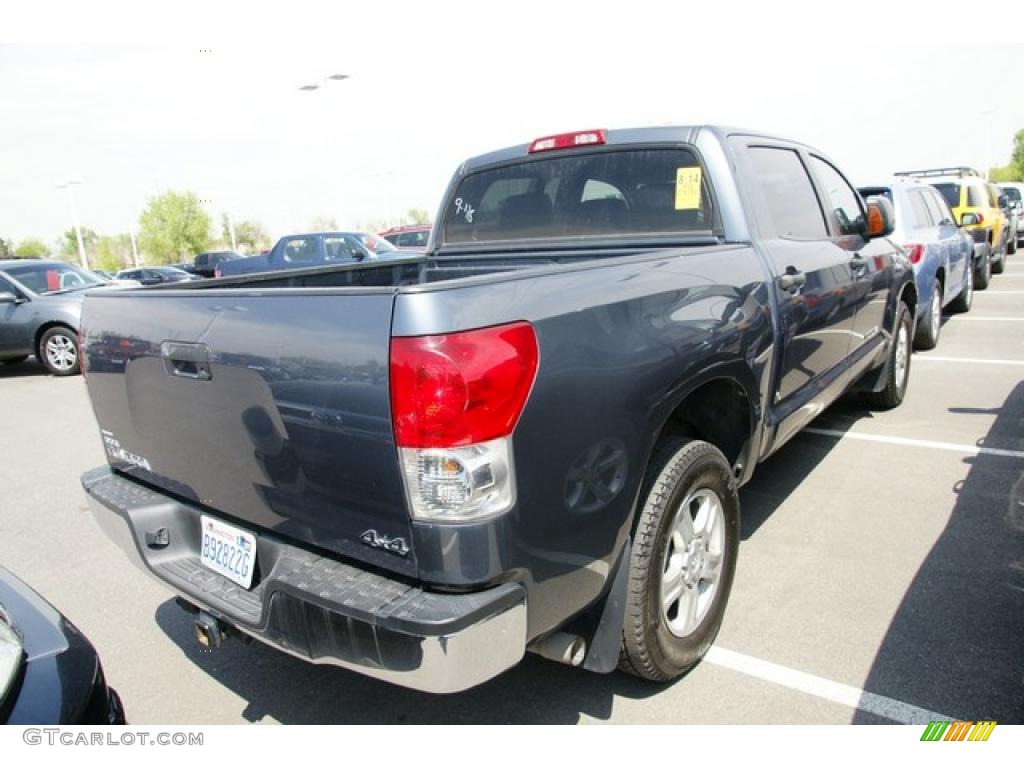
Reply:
x=528, y=438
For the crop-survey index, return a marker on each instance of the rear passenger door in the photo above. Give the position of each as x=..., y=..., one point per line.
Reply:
x=955, y=253
x=814, y=279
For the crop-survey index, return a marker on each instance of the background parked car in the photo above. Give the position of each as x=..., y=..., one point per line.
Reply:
x=315, y=249
x=412, y=238
x=941, y=252
x=1014, y=191
x=206, y=263
x=113, y=280
x=40, y=311
x=966, y=191
x=156, y=275
x=49, y=671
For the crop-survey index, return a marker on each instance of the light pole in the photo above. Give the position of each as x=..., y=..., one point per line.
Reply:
x=135, y=249
x=67, y=184
x=231, y=231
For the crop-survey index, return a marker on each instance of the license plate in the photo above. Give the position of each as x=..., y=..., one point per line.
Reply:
x=229, y=551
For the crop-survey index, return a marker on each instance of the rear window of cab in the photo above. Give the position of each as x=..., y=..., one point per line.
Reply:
x=950, y=192
x=572, y=195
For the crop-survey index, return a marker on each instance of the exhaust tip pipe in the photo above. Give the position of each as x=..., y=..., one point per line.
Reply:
x=562, y=647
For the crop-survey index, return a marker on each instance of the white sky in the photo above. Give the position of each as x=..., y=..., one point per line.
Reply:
x=432, y=84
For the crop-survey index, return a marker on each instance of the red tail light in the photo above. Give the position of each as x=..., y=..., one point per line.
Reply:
x=915, y=252
x=981, y=218
x=567, y=140
x=461, y=388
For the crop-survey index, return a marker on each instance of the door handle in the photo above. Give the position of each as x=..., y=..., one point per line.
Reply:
x=189, y=361
x=792, y=280
x=858, y=263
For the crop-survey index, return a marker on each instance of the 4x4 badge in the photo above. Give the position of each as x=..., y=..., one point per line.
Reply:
x=377, y=541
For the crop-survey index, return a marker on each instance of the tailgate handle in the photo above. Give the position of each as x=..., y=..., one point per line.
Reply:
x=187, y=360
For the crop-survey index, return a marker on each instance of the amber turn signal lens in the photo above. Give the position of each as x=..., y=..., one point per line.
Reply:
x=876, y=221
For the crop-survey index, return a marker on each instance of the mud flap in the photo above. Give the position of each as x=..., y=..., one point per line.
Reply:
x=604, y=646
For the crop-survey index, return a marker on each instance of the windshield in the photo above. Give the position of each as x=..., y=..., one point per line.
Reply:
x=50, y=277
x=374, y=243
x=599, y=193
x=951, y=192
x=1013, y=193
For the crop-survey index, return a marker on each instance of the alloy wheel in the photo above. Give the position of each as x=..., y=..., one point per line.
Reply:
x=693, y=560
x=61, y=352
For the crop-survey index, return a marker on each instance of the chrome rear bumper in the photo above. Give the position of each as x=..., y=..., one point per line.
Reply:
x=317, y=608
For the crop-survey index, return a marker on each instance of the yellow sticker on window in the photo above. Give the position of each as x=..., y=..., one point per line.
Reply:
x=688, y=188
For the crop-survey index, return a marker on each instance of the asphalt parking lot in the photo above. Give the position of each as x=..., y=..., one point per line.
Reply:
x=881, y=572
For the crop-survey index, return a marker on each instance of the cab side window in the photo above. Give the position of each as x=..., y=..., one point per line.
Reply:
x=938, y=208
x=920, y=218
x=412, y=239
x=6, y=287
x=788, y=192
x=843, y=202
x=976, y=197
x=300, y=249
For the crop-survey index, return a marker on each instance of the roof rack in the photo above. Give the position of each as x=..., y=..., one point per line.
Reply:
x=959, y=170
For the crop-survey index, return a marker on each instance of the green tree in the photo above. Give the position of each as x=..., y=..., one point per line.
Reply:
x=31, y=249
x=412, y=216
x=418, y=216
x=1004, y=173
x=1017, y=157
x=113, y=252
x=173, y=228
x=67, y=246
x=248, y=234
x=6, y=249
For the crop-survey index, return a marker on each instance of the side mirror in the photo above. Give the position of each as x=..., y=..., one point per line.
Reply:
x=6, y=297
x=969, y=220
x=881, y=217
x=358, y=255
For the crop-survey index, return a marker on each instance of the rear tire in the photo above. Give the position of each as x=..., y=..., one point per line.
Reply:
x=897, y=366
x=963, y=302
x=999, y=266
x=683, y=560
x=927, y=336
x=983, y=273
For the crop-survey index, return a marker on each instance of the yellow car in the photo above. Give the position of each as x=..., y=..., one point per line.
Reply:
x=967, y=192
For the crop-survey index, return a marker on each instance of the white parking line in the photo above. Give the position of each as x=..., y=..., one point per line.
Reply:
x=991, y=318
x=968, y=360
x=893, y=709
x=990, y=292
x=969, y=450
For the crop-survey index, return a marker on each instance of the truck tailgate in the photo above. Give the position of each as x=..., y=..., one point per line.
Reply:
x=269, y=408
